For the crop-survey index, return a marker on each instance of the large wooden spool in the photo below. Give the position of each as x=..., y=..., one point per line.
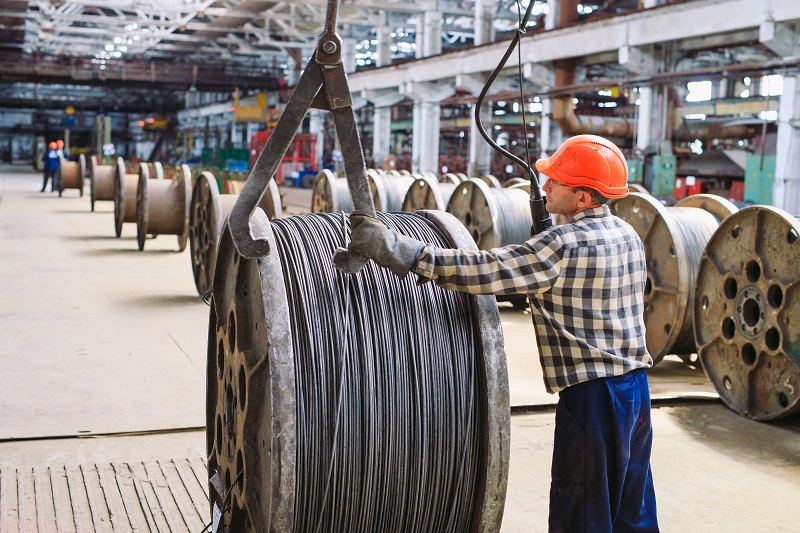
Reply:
x=71, y=174
x=162, y=206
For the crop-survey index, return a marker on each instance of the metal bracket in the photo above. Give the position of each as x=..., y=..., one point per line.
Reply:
x=323, y=85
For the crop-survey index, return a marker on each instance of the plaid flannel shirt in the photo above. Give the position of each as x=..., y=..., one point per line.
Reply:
x=585, y=280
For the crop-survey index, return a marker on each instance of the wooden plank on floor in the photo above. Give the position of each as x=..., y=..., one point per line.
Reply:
x=154, y=496
x=9, y=508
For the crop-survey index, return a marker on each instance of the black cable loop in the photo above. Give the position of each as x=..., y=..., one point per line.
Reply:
x=535, y=192
x=404, y=453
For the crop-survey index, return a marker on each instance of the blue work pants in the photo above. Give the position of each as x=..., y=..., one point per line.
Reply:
x=601, y=478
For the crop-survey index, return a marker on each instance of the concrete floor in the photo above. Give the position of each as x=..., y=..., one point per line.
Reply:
x=98, y=339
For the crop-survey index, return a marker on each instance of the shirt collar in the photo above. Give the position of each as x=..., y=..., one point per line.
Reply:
x=594, y=212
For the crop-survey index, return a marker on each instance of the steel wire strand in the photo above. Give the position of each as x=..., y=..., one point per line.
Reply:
x=404, y=452
x=395, y=188
x=695, y=226
x=514, y=215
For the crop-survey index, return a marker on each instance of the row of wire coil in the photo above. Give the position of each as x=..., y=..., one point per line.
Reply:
x=680, y=242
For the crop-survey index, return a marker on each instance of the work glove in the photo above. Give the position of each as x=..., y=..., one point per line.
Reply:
x=389, y=249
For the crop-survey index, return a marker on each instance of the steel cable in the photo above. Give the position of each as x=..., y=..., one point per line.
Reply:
x=389, y=429
x=394, y=189
x=695, y=227
x=513, y=215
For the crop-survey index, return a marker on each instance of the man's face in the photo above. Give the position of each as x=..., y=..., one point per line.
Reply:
x=561, y=199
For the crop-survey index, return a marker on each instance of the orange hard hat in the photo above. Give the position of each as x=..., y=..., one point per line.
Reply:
x=588, y=161
x=60, y=143
x=51, y=146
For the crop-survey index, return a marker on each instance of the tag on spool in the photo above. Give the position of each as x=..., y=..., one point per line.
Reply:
x=216, y=516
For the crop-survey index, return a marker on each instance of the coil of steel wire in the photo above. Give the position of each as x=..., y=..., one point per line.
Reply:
x=427, y=193
x=162, y=206
x=125, y=186
x=493, y=216
x=637, y=187
x=451, y=178
x=330, y=194
x=388, y=190
x=101, y=181
x=746, y=312
x=674, y=239
x=515, y=181
x=353, y=403
x=491, y=181
x=71, y=174
x=207, y=213
x=523, y=185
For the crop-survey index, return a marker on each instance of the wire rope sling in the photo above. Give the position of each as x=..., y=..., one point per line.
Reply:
x=353, y=401
x=747, y=311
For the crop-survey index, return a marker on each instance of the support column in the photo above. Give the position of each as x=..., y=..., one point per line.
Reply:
x=381, y=134
x=426, y=123
x=480, y=153
x=432, y=29
x=316, y=127
x=384, y=52
x=551, y=19
x=484, y=19
x=786, y=188
x=349, y=54
x=550, y=136
x=644, y=123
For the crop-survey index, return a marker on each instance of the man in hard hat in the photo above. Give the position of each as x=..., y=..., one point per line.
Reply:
x=50, y=159
x=585, y=280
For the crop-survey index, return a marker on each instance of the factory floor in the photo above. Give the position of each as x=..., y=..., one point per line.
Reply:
x=102, y=393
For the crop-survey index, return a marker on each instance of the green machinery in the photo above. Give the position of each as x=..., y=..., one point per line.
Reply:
x=759, y=175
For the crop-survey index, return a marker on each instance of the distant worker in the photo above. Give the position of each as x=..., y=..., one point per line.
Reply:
x=585, y=280
x=51, y=162
x=62, y=152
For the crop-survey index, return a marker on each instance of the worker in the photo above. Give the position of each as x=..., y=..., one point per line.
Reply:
x=585, y=281
x=62, y=152
x=51, y=163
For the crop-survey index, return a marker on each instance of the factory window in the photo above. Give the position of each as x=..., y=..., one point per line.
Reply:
x=699, y=91
x=772, y=85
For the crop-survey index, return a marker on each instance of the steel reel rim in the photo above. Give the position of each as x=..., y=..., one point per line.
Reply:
x=733, y=358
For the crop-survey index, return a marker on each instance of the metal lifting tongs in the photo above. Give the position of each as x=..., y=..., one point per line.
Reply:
x=323, y=85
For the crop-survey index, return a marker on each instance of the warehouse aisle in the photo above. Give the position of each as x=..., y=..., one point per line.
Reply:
x=106, y=345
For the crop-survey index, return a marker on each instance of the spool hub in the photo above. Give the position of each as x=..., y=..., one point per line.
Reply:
x=747, y=311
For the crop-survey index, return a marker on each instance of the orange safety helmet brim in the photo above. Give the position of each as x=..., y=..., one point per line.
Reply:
x=51, y=146
x=588, y=161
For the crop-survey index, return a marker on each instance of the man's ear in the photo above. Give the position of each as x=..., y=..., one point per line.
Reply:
x=584, y=198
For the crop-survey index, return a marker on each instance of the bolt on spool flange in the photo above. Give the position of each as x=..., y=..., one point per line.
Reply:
x=747, y=311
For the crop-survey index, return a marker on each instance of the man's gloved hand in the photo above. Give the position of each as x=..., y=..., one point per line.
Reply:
x=370, y=238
